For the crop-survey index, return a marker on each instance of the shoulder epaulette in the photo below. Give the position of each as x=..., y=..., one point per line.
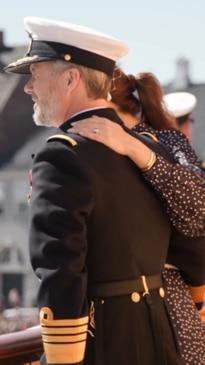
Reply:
x=57, y=137
x=152, y=136
x=158, y=146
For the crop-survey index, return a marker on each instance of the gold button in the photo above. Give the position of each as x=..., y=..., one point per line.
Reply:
x=67, y=57
x=135, y=297
x=161, y=292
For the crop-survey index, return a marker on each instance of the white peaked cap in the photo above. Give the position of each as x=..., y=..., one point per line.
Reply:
x=52, y=39
x=179, y=104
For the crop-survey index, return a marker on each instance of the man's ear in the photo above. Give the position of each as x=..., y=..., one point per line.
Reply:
x=73, y=78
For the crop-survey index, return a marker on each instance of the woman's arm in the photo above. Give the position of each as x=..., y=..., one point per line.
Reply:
x=113, y=136
x=181, y=190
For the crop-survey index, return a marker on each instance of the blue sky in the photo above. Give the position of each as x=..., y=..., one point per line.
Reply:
x=156, y=31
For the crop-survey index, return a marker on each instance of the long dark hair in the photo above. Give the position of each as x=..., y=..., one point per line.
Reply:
x=141, y=95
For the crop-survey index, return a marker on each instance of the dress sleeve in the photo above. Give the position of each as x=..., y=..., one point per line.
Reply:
x=188, y=255
x=182, y=191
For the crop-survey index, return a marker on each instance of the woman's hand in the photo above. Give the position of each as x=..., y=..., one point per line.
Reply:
x=113, y=136
x=104, y=131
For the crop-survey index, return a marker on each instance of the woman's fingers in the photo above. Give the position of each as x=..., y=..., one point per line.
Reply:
x=102, y=130
x=90, y=127
x=93, y=122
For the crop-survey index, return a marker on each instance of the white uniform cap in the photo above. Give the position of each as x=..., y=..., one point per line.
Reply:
x=179, y=104
x=51, y=39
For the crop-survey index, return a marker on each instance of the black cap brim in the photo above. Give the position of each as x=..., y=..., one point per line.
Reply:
x=22, y=66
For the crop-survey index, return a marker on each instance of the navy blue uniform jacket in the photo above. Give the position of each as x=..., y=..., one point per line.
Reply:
x=94, y=219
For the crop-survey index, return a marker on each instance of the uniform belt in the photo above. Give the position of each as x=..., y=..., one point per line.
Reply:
x=143, y=284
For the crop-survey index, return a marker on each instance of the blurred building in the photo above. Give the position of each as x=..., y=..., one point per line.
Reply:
x=16, y=128
x=19, y=139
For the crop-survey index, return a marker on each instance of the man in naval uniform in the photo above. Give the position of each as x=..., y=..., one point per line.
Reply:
x=98, y=233
x=181, y=104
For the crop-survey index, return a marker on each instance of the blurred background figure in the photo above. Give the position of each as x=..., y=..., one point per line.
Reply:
x=14, y=299
x=181, y=106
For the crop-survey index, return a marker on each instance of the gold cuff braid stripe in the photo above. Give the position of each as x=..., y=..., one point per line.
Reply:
x=64, y=353
x=47, y=319
x=54, y=330
x=64, y=340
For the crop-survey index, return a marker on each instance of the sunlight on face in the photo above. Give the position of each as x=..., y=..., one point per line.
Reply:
x=46, y=110
x=46, y=95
